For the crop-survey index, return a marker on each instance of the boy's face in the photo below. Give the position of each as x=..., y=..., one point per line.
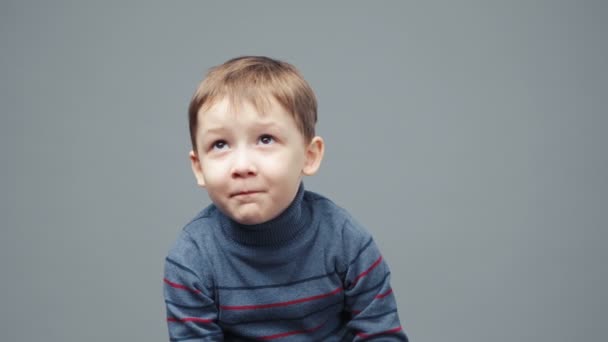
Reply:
x=251, y=163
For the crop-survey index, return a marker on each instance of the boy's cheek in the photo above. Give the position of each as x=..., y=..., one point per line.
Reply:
x=214, y=173
x=214, y=177
x=279, y=170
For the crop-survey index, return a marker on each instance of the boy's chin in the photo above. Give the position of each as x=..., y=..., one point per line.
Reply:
x=252, y=213
x=249, y=217
x=249, y=221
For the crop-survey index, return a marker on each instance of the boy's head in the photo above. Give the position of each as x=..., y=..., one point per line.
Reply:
x=252, y=126
x=256, y=79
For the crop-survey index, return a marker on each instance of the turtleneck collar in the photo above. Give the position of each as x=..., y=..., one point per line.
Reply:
x=276, y=231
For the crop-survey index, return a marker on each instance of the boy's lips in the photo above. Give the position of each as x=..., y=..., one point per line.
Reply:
x=244, y=193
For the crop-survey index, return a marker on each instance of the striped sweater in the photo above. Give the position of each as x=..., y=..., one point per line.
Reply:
x=311, y=274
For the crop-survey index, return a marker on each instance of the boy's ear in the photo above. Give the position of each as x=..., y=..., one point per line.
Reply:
x=197, y=169
x=314, y=156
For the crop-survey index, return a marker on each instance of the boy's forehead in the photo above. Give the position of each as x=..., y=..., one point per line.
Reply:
x=220, y=106
x=266, y=111
x=228, y=106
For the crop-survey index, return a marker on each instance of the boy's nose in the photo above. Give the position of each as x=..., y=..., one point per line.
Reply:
x=243, y=165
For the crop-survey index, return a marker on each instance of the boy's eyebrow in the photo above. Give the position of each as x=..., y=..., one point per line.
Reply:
x=270, y=124
x=259, y=125
x=213, y=129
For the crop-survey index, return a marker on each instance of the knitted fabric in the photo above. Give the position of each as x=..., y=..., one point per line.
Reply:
x=311, y=274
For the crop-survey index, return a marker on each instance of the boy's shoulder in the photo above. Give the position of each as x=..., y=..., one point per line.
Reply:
x=332, y=215
x=201, y=226
x=338, y=231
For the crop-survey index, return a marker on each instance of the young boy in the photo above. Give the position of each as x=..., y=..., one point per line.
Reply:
x=269, y=260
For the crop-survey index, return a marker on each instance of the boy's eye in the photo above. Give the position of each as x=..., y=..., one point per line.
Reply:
x=266, y=139
x=219, y=145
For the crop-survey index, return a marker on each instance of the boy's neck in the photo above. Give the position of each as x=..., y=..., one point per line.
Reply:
x=279, y=230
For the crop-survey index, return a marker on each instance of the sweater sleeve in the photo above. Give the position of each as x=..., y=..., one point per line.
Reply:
x=191, y=310
x=369, y=296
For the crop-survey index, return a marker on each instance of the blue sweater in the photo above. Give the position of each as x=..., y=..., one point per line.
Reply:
x=311, y=274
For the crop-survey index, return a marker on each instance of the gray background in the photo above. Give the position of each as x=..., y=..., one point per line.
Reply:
x=470, y=138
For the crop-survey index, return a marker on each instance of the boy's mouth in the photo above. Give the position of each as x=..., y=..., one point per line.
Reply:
x=244, y=192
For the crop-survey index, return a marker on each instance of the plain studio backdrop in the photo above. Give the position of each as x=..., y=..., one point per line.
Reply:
x=469, y=138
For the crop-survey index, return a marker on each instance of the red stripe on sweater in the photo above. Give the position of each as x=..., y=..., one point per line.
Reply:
x=366, y=272
x=391, y=331
x=273, y=305
x=382, y=295
x=189, y=319
x=290, y=333
x=180, y=286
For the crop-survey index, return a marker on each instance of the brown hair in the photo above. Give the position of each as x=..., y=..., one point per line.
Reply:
x=256, y=79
